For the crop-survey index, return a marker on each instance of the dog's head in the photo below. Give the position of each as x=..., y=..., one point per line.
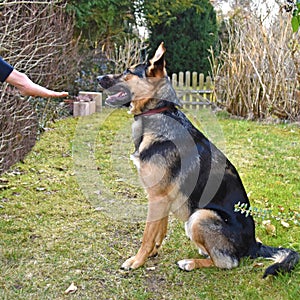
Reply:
x=143, y=86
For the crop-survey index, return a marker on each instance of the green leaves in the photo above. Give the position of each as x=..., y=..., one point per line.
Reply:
x=295, y=24
x=296, y=17
x=291, y=217
x=188, y=28
x=97, y=20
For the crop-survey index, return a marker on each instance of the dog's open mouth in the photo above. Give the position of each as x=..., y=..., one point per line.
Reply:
x=118, y=95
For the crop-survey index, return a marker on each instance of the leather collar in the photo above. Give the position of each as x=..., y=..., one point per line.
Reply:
x=153, y=111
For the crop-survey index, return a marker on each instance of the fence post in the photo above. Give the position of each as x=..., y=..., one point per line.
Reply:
x=180, y=83
x=208, y=87
x=174, y=80
x=194, y=80
x=194, y=87
x=201, y=81
x=188, y=96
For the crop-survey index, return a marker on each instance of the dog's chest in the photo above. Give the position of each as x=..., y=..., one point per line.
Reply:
x=137, y=133
x=136, y=160
x=137, y=136
x=142, y=139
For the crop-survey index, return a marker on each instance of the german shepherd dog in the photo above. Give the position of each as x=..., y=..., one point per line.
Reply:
x=184, y=173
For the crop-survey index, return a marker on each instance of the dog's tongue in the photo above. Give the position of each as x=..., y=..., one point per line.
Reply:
x=118, y=99
x=116, y=96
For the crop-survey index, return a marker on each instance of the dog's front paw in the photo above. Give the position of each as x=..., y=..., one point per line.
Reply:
x=131, y=263
x=186, y=264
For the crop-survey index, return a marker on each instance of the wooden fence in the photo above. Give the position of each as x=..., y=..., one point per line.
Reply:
x=193, y=89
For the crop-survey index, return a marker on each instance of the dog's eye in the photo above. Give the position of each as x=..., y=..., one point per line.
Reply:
x=138, y=71
x=127, y=71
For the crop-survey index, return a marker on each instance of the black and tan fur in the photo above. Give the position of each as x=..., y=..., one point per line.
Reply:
x=184, y=173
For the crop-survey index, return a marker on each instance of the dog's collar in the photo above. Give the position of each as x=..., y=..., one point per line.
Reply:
x=153, y=111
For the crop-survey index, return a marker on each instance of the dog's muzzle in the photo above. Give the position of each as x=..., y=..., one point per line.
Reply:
x=118, y=94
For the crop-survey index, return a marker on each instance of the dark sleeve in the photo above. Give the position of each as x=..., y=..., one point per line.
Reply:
x=5, y=70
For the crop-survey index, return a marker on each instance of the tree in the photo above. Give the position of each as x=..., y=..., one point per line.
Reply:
x=103, y=26
x=188, y=28
x=257, y=71
x=102, y=21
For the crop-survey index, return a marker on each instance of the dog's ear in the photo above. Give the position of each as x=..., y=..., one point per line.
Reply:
x=157, y=63
x=158, y=57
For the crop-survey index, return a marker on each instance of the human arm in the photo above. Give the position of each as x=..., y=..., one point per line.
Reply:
x=23, y=83
x=29, y=88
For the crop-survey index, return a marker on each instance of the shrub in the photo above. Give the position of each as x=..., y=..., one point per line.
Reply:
x=36, y=38
x=257, y=74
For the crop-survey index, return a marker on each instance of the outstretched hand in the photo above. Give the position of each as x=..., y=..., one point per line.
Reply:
x=29, y=88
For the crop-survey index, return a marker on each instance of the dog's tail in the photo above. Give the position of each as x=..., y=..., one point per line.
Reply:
x=284, y=259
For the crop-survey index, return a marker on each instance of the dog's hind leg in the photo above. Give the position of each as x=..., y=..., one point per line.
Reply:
x=191, y=264
x=207, y=230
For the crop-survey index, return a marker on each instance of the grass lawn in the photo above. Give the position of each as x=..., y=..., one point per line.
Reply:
x=73, y=211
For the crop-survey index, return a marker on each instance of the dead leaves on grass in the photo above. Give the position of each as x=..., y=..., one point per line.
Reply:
x=269, y=227
x=71, y=289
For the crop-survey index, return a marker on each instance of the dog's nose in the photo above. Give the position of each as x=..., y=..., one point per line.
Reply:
x=102, y=81
x=105, y=81
x=99, y=78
